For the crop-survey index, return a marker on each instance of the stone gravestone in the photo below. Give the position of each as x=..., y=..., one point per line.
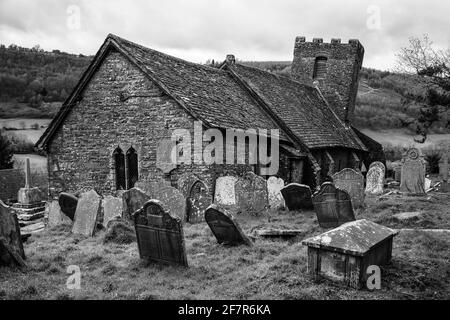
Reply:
x=88, y=208
x=224, y=194
x=152, y=184
x=226, y=230
x=413, y=173
x=133, y=200
x=375, y=179
x=444, y=166
x=11, y=247
x=274, y=186
x=112, y=208
x=68, y=204
x=159, y=235
x=198, y=200
x=353, y=182
x=185, y=183
x=172, y=200
x=55, y=215
x=333, y=206
x=251, y=194
x=398, y=173
x=297, y=196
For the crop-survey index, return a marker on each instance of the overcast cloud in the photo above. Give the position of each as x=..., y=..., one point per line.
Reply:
x=198, y=30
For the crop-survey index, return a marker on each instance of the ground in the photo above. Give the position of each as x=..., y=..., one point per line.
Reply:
x=270, y=269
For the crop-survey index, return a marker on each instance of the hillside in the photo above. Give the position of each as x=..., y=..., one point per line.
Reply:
x=34, y=83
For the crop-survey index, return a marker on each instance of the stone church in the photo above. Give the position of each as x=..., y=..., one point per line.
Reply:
x=131, y=98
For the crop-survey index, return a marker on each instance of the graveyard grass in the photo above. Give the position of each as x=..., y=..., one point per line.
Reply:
x=271, y=269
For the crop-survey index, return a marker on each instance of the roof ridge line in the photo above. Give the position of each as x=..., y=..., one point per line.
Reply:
x=209, y=68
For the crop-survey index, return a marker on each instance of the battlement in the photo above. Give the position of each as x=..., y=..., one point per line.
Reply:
x=302, y=39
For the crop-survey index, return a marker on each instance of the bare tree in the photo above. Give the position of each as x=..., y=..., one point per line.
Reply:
x=433, y=67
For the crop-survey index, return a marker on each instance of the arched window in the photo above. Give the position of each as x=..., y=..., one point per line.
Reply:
x=119, y=164
x=320, y=68
x=132, y=172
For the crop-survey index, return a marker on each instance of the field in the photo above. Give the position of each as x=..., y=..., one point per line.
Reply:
x=270, y=269
x=398, y=137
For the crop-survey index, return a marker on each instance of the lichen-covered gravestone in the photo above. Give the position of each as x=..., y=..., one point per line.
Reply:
x=297, y=196
x=152, y=185
x=251, y=194
x=173, y=200
x=11, y=247
x=274, y=186
x=88, y=208
x=198, y=200
x=375, y=179
x=333, y=206
x=112, y=209
x=133, y=200
x=224, y=227
x=345, y=253
x=55, y=215
x=225, y=194
x=352, y=182
x=413, y=173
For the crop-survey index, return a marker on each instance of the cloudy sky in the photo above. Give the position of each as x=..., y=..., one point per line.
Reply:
x=198, y=30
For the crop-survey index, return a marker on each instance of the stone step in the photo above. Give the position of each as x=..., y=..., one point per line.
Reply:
x=28, y=206
x=37, y=227
x=29, y=211
x=27, y=223
x=31, y=217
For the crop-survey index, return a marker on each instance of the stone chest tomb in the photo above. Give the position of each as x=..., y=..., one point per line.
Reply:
x=344, y=254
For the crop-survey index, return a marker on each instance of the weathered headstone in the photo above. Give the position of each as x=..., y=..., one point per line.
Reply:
x=198, y=200
x=55, y=215
x=152, y=185
x=353, y=182
x=297, y=196
x=413, y=173
x=398, y=173
x=427, y=184
x=226, y=230
x=159, y=235
x=185, y=183
x=133, y=200
x=274, y=186
x=333, y=206
x=68, y=204
x=444, y=166
x=224, y=192
x=345, y=253
x=375, y=179
x=405, y=216
x=173, y=200
x=88, y=208
x=112, y=208
x=11, y=247
x=251, y=194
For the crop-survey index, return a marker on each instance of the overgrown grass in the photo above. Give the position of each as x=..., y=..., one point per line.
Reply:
x=270, y=269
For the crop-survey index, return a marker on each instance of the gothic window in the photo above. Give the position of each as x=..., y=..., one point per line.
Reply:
x=119, y=164
x=320, y=68
x=132, y=168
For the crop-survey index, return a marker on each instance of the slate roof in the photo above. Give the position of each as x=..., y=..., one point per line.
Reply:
x=221, y=98
x=356, y=237
x=301, y=108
